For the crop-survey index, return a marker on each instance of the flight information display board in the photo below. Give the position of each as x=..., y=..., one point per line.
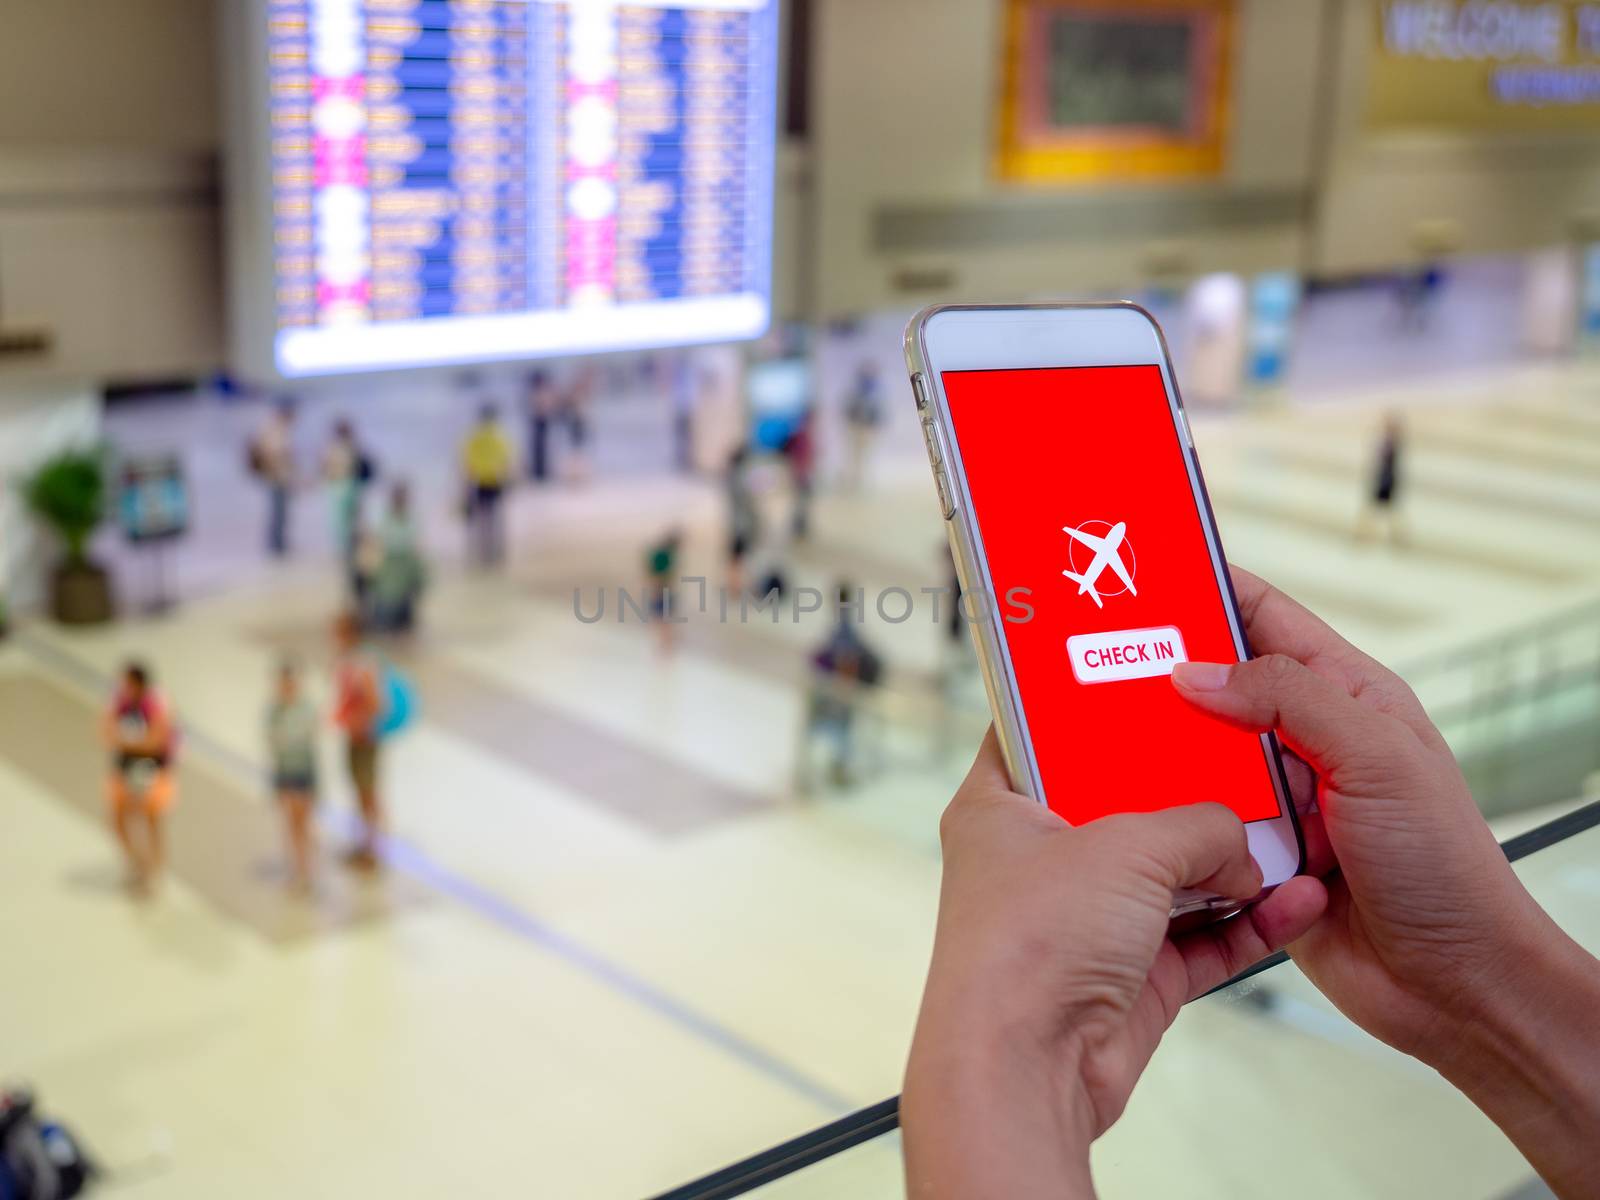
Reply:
x=469, y=180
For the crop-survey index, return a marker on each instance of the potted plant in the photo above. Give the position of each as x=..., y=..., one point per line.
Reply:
x=68, y=493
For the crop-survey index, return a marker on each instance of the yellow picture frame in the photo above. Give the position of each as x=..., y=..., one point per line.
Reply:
x=1029, y=149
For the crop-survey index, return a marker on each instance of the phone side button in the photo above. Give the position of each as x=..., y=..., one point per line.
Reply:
x=919, y=388
x=946, y=504
x=931, y=441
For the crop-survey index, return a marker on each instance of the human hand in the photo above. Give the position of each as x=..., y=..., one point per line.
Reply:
x=1430, y=942
x=1055, y=974
x=1425, y=912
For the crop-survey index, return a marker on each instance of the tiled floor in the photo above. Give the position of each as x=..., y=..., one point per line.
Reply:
x=616, y=949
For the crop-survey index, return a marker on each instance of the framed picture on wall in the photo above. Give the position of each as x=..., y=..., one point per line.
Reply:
x=1106, y=90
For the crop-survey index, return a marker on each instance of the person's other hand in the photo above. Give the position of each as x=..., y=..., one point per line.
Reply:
x=1054, y=975
x=1430, y=942
x=1425, y=909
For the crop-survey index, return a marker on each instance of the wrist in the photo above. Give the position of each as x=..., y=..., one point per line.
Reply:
x=1524, y=1053
x=1540, y=979
x=989, y=1109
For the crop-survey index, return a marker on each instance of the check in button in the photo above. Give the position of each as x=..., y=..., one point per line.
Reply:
x=1125, y=654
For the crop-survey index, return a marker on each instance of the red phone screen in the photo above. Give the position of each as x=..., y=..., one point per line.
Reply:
x=1082, y=498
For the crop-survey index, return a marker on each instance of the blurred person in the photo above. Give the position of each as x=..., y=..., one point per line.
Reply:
x=347, y=469
x=361, y=568
x=661, y=572
x=40, y=1159
x=272, y=462
x=843, y=668
x=400, y=573
x=358, y=711
x=686, y=388
x=1418, y=295
x=292, y=743
x=138, y=730
x=744, y=518
x=572, y=411
x=1383, y=499
x=771, y=575
x=541, y=403
x=486, y=464
x=800, y=452
x=863, y=414
x=1055, y=971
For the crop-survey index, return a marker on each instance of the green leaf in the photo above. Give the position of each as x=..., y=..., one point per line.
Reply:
x=68, y=493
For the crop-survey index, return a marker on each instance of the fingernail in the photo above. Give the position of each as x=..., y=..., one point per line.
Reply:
x=1202, y=676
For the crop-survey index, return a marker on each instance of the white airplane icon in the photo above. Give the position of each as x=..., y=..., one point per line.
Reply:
x=1105, y=555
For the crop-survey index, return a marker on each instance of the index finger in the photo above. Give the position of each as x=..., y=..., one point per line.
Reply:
x=988, y=770
x=987, y=784
x=1274, y=623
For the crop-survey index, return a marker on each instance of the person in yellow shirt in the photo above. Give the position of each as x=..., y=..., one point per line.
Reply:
x=486, y=463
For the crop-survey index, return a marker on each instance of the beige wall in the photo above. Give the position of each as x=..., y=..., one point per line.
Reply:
x=114, y=252
x=905, y=98
x=792, y=210
x=108, y=197
x=109, y=133
x=1478, y=193
x=124, y=72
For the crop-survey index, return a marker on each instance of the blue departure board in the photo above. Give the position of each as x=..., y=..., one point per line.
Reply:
x=470, y=180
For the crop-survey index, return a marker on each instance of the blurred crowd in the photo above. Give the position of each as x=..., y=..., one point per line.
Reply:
x=540, y=437
x=767, y=484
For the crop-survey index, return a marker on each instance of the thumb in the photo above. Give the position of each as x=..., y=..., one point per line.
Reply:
x=1194, y=845
x=1316, y=717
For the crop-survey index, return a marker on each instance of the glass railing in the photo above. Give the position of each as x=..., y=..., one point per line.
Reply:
x=1521, y=709
x=1258, y=1083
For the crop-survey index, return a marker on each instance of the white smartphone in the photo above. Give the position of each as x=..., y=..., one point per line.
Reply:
x=1090, y=563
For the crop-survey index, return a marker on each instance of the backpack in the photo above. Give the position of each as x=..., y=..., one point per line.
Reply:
x=399, y=697
x=869, y=668
x=38, y=1159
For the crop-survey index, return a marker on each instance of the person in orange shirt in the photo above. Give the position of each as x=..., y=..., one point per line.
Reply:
x=138, y=731
x=357, y=709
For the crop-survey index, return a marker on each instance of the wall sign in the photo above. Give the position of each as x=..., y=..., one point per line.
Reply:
x=1485, y=65
x=1114, y=89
